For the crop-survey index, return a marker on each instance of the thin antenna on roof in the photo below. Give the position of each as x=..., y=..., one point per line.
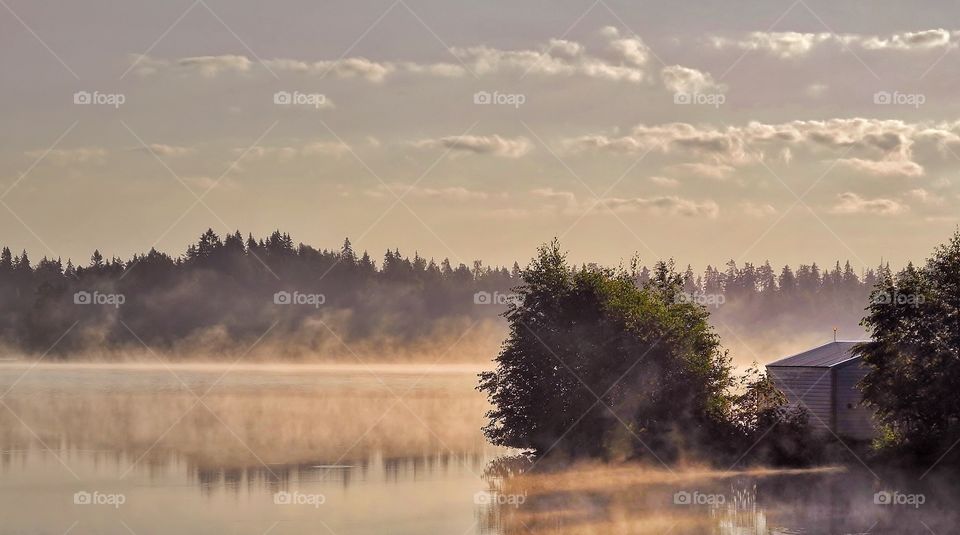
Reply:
x=834, y=334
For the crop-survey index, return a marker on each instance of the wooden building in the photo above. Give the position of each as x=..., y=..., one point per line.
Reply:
x=824, y=380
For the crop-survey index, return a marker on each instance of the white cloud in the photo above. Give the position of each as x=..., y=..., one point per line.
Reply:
x=211, y=66
x=665, y=181
x=757, y=210
x=493, y=145
x=453, y=193
x=618, y=58
x=287, y=153
x=816, y=90
x=926, y=197
x=851, y=203
x=784, y=45
x=884, y=167
x=679, y=79
x=629, y=50
x=621, y=60
x=670, y=205
x=167, y=151
x=569, y=199
x=791, y=45
x=706, y=170
x=922, y=40
x=878, y=146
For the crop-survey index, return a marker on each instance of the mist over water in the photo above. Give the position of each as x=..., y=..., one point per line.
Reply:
x=387, y=448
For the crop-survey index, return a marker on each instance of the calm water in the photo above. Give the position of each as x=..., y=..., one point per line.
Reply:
x=346, y=450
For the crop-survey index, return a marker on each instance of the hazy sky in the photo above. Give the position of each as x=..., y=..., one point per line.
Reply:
x=793, y=131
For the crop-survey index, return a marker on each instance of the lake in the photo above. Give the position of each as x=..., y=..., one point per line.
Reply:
x=354, y=450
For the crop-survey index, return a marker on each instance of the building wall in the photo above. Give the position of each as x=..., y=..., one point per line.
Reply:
x=853, y=420
x=810, y=387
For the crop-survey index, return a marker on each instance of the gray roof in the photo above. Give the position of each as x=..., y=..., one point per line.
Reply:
x=825, y=356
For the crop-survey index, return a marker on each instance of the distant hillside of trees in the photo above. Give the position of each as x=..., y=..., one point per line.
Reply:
x=223, y=294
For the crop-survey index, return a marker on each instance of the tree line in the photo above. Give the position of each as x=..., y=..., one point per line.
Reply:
x=223, y=291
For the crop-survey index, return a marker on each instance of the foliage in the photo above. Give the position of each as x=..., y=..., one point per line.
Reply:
x=776, y=433
x=596, y=366
x=914, y=355
x=225, y=284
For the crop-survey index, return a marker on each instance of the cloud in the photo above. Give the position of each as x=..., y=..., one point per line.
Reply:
x=757, y=210
x=63, y=157
x=453, y=193
x=877, y=146
x=922, y=40
x=816, y=90
x=214, y=66
x=665, y=181
x=679, y=79
x=493, y=145
x=669, y=205
x=792, y=45
x=926, y=197
x=567, y=198
x=706, y=170
x=884, y=167
x=287, y=153
x=784, y=45
x=356, y=67
x=851, y=203
x=629, y=50
x=167, y=151
x=617, y=58
x=211, y=66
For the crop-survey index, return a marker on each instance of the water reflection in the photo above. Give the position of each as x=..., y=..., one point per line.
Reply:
x=401, y=456
x=400, y=449
x=634, y=499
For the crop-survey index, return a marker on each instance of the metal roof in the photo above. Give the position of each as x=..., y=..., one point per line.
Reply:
x=825, y=356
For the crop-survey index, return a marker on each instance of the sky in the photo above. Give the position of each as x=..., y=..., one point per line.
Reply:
x=794, y=131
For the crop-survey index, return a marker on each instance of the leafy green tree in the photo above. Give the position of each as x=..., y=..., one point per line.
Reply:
x=914, y=355
x=596, y=366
